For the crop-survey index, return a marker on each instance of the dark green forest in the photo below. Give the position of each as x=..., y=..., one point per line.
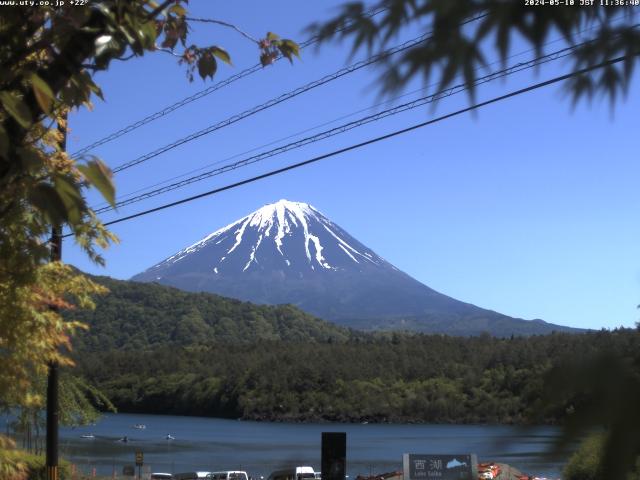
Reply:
x=398, y=378
x=135, y=316
x=156, y=349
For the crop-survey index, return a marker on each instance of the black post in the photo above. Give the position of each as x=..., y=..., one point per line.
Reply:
x=52, y=381
x=334, y=455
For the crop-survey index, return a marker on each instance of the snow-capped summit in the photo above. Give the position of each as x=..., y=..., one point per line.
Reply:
x=288, y=252
x=293, y=236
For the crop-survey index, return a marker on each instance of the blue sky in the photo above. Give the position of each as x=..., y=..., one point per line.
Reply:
x=528, y=207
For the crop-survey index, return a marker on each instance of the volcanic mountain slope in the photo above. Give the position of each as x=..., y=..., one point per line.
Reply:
x=288, y=252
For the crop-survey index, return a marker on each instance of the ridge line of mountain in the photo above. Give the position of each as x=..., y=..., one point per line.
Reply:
x=290, y=253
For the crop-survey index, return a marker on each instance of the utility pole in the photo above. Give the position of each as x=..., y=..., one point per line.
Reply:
x=52, y=381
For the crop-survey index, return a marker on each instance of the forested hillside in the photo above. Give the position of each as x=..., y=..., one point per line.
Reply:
x=399, y=378
x=136, y=316
x=156, y=349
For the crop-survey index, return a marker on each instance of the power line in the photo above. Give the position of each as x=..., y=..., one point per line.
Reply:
x=146, y=189
x=373, y=140
x=202, y=93
x=280, y=99
x=350, y=126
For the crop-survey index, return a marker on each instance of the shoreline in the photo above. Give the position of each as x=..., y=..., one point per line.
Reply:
x=319, y=419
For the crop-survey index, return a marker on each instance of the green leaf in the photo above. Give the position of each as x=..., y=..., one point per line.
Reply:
x=288, y=48
x=78, y=90
x=30, y=158
x=69, y=192
x=43, y=93
x=99, y=175
x=103, y=44
x=72, y=94
x=292, y=46
x=124, y=30
x=16, y=108
x=46, y=199
x=147, y=34
x=104, y=9
x=221, y=54
x=88, y=82
x=179, y=10
x=207, y=65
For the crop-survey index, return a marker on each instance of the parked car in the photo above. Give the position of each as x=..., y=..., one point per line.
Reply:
x=228, y=475
x=296, y=473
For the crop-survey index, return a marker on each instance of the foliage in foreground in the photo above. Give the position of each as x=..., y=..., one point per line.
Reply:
x=33, y=332
x=79, y=404
x=48, y=59
x=462, y=36
x=17, y=464
x=587, y=462
x=604, y=391
x=12, y=467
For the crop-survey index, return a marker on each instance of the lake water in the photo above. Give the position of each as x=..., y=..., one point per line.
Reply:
x=261, y=447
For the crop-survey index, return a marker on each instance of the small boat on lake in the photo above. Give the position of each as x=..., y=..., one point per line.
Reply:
x=124, y=439
x=140, y=426
x=88, y=435
x=170, y=437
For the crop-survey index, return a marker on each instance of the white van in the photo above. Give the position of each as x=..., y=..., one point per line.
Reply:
x=190, y=475
x=297, y=473
x=228, y=475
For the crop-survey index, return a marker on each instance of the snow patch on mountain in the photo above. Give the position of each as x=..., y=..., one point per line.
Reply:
x=343, y=244
x=252, y=256
x=295, y=230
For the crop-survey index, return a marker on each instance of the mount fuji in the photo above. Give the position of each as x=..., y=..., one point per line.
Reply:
x=288, y=252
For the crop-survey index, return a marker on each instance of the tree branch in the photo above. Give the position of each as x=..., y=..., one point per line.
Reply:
x=167, y=50
x=162, y=6
x=124, y=59
x=224, y=24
